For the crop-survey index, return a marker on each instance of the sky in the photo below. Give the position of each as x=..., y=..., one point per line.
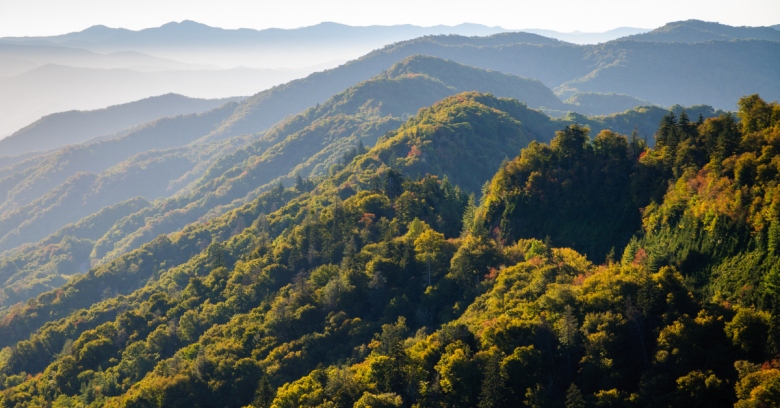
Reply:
x=51, y=17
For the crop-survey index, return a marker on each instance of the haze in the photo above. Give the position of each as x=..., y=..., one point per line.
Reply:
x=51, y=17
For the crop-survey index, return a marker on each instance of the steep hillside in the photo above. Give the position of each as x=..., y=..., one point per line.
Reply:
x=372, y=288
x=309, y=144
x=48, y=264
x=73, y=127
x=690, y=31
x=305, y=146
x=51, y=170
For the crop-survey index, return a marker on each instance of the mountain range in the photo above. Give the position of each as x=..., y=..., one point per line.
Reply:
x=272, y=48
x=367, y=285
x=448, y=221
x=198, y=169
x=45, y=74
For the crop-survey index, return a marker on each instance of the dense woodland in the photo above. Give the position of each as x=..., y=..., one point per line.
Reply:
x=432, y=270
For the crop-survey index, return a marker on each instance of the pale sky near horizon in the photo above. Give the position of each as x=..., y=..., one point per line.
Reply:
x=52, y=17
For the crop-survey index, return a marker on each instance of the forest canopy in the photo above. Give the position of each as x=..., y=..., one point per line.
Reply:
x=590, y=270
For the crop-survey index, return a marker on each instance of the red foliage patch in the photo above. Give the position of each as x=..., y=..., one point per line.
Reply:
x=641, y=257
x=492, y=275
x=415, y=152
x=367, y=219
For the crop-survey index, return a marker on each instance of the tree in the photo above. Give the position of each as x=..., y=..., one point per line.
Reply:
x=393, y=183
x=469, y=214
x=300, y=186
x=774, y=237
x=416, y=228
x=388, y=400
x=361, y=149
x=574, y=397
x=568, y=333
x=264, y=395
x=217, y=255
x=493, y=391
x=570, y=143
x=428, y=245
x=755, y=113
x=666, y=134
x=772, y=286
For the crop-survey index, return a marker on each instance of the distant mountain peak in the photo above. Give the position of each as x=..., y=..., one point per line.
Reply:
x=690, y=31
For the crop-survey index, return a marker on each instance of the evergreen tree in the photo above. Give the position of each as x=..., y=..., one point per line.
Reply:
x=772, y=287
x=393, y=183
x=278, y=188
x=773, y=342
x=493, y=390
x=361, y=150
x=647, y=297
x=468, y=215
x=264, y=395
x=568, y=334
x=666, y=130
x=300, y=186
x=728, y=139
x=684, y=126
x=683, y=120
x=374, y=185
x=350, y=251
x=396, y=378
x=630, y=252
x=774, y=238
x=574, y=397
x=217, y=255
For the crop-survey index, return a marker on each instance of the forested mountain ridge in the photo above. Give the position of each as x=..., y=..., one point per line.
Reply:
x=306, y=145
x=701, y=31
x=567, y=67
x=365, y=107
x=360, y=289
x=72, y=127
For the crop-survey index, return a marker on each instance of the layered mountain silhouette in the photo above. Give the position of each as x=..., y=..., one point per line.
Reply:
x=60, y=129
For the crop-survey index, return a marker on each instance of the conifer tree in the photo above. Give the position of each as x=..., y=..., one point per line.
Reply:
x=299, y=184
x=393, y=183
x=568, y=333
x=468, y=215
x=665, y=134
x=375, y=185
x=493, y=390
x=217, y=255
x=574, y=397
x=395, y=381
x=264, y=395
x=684, y=126
x=648, y=294
x=630, y=252
x=772, y=287
x=774, y=238
x=360, y=148
x=773, y=342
